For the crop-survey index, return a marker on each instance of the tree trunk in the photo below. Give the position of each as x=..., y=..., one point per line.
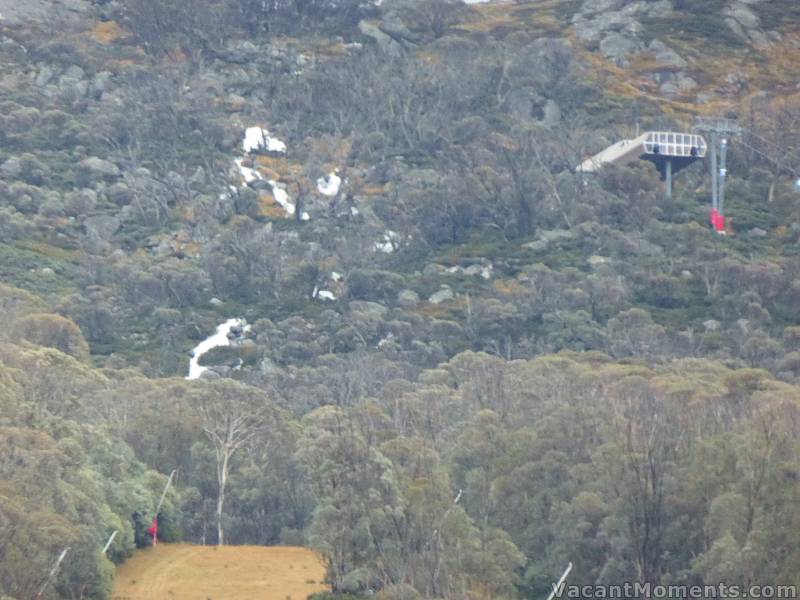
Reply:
x=222, y=478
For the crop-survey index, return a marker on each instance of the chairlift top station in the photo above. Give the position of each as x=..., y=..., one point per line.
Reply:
x=670, y=151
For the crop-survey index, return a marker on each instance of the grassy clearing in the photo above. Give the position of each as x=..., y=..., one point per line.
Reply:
x=189, y=572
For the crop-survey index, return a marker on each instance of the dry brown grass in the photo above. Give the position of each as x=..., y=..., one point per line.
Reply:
x=541, y=17
x=774, y=69
x=187, y=572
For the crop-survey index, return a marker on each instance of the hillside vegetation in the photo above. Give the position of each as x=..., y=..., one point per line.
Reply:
x=443, y=360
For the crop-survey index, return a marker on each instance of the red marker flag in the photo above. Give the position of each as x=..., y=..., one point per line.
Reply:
x=717, y=220
x=154, y=530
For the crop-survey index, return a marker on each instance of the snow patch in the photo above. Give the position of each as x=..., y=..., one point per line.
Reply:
x=323, y=294
x=257, y=138
x=282, y=197
x=220, y=338
x=485, y=272
x=330, y=184
x=390, y=243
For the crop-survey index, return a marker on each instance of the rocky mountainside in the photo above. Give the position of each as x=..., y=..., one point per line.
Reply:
x=136, y=206
x=355, y=229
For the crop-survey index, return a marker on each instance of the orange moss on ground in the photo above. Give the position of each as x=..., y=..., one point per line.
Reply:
x=187, y=572
x=373, y=190
x=273, y=163
x=278, y=168
x=107, y=32
x=508, y=287
x=269, y=208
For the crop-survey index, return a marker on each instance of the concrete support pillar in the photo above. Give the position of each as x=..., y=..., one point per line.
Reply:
x=668, y=178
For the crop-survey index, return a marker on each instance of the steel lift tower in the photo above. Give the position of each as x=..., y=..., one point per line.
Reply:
x=719, y=130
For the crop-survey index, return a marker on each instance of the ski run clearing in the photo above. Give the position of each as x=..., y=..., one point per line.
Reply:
x=188, y=572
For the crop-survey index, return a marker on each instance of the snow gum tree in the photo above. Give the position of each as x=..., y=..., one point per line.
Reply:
x=232, y=416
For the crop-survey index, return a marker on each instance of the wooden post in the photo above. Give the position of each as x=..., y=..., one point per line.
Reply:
x=723, y=173
x=53, y=572
x=110, y=540
x=557, y=586
x=160, y=502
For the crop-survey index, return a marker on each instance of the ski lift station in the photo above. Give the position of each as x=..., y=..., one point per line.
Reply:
x=670, y=151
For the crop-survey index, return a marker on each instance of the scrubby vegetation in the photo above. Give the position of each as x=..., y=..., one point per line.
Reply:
x=464, y=364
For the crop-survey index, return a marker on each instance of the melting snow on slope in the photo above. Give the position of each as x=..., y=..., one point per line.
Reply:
x=386, y=340
x=329, y=185
x=282, y=197
x=390, y=243
x=249, y=175
x=482, y=271
x=220, y=338
x=257, y=138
